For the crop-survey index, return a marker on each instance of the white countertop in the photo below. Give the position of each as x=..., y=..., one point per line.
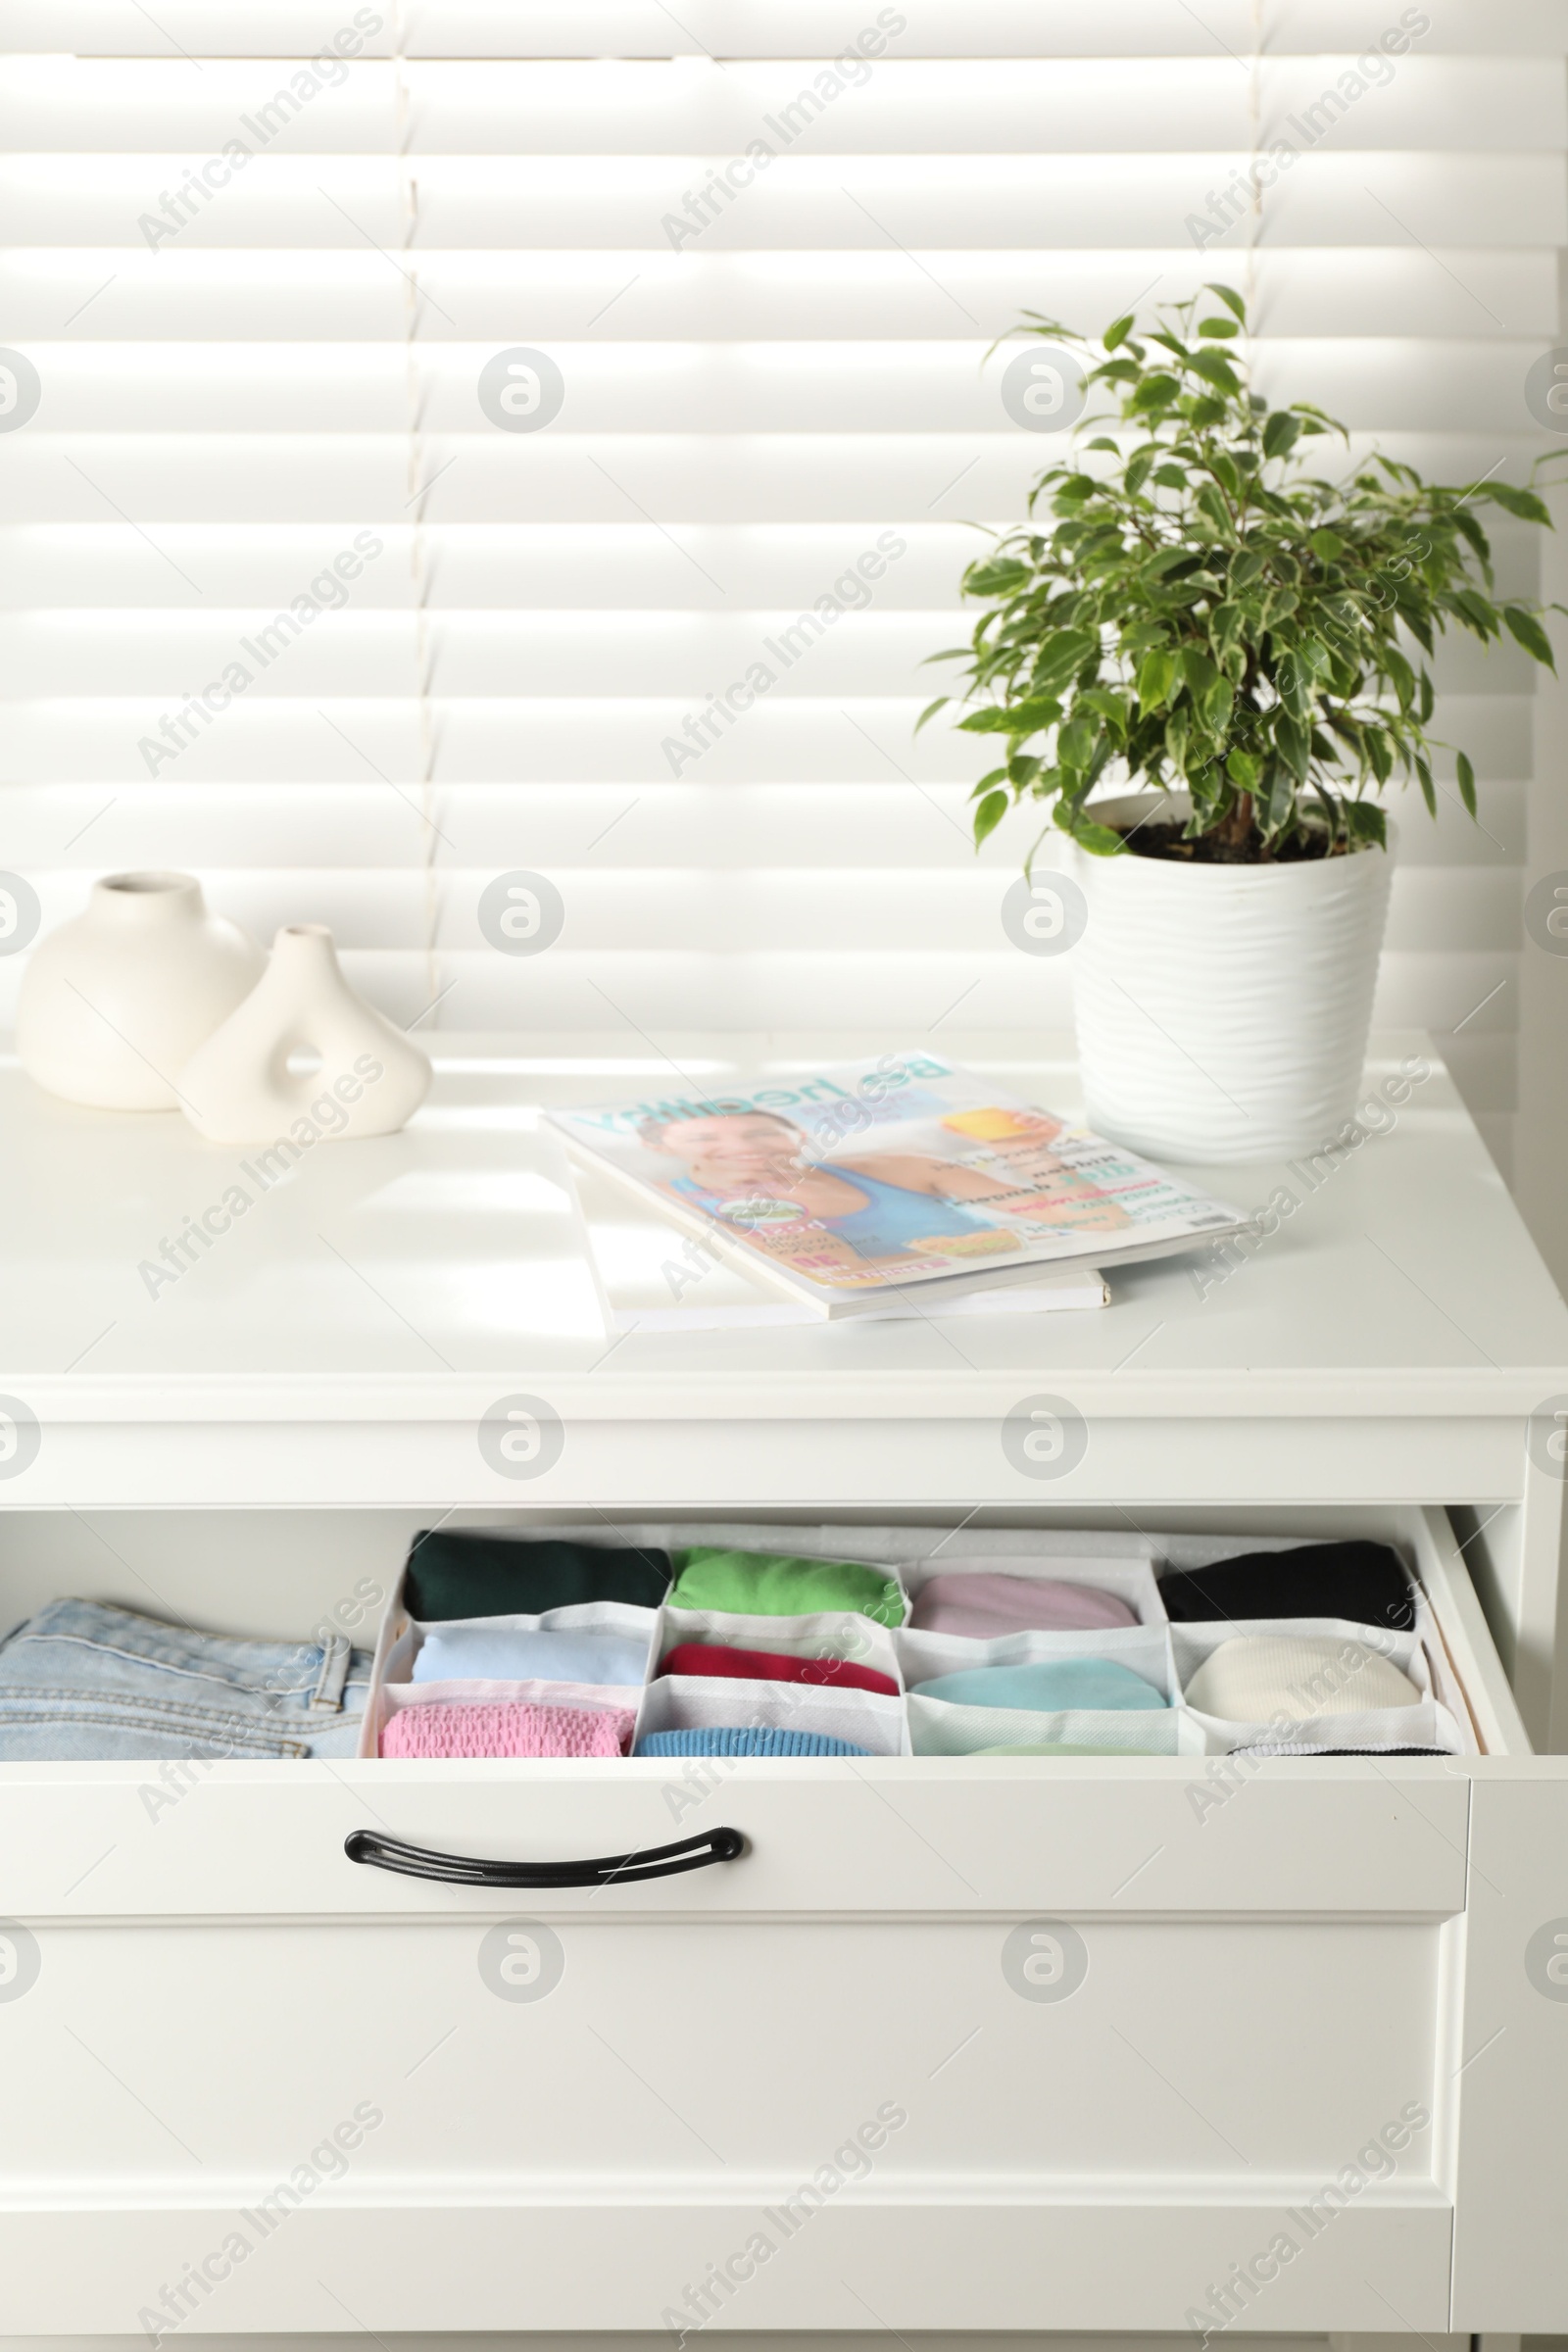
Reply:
x=419, y=1276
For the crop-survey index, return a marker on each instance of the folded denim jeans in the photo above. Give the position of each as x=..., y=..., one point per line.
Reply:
x=86, y=1682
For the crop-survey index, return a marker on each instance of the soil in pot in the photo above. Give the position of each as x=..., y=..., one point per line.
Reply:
x=1167, y=841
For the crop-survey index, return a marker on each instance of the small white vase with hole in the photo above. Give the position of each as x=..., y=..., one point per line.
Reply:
x=115, y=1003
x=1222, y=1011
x=364, y=1076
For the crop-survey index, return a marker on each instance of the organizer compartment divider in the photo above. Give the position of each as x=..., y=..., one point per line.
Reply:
x=697, y=1701
x=1144, y=1649
x=835, y=1634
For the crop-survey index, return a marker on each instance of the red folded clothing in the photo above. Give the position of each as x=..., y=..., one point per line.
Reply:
x=774, y=1666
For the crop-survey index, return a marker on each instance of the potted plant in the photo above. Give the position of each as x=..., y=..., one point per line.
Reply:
x=1205, y=619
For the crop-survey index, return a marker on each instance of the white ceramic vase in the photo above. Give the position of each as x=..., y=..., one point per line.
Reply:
x=1223, y=1011
x=115, y=1003
x=353, y=1073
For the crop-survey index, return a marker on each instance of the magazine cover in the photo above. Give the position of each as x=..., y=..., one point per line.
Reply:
x=854, y=1183
x=653, y=1276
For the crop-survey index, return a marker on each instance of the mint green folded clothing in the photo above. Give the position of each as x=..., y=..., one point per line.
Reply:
x=1058, y=1747
x=1048, y=1686
x=766, y=1584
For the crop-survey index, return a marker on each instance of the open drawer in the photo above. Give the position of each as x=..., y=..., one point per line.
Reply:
x=979, y=2043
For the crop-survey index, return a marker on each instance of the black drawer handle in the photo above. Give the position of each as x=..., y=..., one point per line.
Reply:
x=614, y=1870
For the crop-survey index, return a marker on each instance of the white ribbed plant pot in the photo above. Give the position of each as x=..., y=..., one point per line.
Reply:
x=1222, y=1011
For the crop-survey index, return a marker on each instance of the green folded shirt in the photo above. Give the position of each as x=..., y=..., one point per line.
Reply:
x=455, y=1573
x=765, y=1583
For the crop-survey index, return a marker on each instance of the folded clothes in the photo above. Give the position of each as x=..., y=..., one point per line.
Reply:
x=1296, y=1678
x=463, y=1572
x=765, y=1583
x=81, y=1682
x=745, y=1739
x=1047, y=1686
x=488, y=1729
x=774, y=1666
x=986, y=1606
x=497, y=1649
x=1364, y=1583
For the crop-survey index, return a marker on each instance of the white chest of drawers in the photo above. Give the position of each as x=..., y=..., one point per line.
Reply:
x=813, y=2088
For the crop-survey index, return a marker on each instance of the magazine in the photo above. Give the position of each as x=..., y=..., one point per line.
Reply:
x=852, y=1186
x=651, y=1276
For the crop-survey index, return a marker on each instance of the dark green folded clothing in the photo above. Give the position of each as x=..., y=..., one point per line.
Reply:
x=456, y=1572
x=768, y=1583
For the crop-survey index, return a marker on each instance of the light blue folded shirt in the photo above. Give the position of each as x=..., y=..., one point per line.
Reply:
x=1048, y=1687
x=477, y=1653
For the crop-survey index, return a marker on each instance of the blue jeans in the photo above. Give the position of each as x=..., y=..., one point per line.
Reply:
x=82, y=1683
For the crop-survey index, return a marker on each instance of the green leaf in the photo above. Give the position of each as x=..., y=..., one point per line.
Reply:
x=1527, y=631
x=1523, y=503
x=1428, y=789
x=989, y=816
x=1112, y=708
x=1022, y=718
x=931, y=710
x=1157, y=391
x=1137, y=472
x=1212, y=502
x=1366, y=820
x=1243, y=769
x=1220, y=328
x=1098, y=840
x=1281, y=434
x=1198, y=671
x=1000, y=578
x=1326, y=544
x=1170, y=478
x=1061, y=654
x=1230, y=298
x=1119, y=330
x=1295, y=744
x=1157, y=675
x=1075, y=743
x=1467, y=782
x=1215, y=368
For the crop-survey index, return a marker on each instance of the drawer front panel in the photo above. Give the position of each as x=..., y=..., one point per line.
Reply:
x=678, y=2269
x=895, y=2098
x=1123, y=1835
x=1020, y=2059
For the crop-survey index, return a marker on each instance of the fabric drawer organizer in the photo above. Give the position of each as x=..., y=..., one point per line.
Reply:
x=1139, y=1674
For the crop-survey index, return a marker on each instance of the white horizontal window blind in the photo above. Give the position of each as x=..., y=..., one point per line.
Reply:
x=542, y=435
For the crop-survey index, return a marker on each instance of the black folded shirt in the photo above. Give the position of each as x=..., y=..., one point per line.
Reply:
x=462, y=1572
x=1364, y=1583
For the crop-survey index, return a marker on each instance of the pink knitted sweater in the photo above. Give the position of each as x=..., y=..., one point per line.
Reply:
x=485, y=1729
